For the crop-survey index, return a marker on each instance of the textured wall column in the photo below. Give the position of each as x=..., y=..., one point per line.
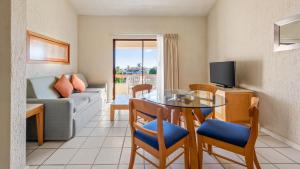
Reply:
x=12, y=83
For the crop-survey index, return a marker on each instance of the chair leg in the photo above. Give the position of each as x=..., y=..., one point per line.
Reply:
x=186, y=154
x=249, y=158
x=162, y=162
x=200, y=152
x=132, y=156
x=256, y=161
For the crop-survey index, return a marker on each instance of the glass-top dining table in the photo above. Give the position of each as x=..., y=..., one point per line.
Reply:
x=186, y=102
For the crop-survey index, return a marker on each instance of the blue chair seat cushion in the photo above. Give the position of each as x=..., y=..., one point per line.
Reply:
x=224, y=131
x=172, y=134
x=206, y=111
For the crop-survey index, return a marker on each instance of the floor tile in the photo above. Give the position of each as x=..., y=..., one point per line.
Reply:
x=149, y=166
x=113, y=142
x=227, y=154
x=93, y=142
x=52, y=167
x=273, y=156
x=100, y=132
x=212, y=166
x=78, y=167
x=136, y=166
x=31, y=145
x=97, y=118
x=28, y=151
x=233, y=166
x=267, y=166
x=288, y=166
x=260, y=144
x=128, y=132
x=52, y=144
x=85, y=132
x=125, y=157
x=290, y=153
x=39, y=156
x=208, y=159
x=120, y=124
x=32, y=167
x=180, y=160
x=117, y=132
x=92, y=124
x=75, y=142
x=151, y=158
x=61, y=156
x=272, y=142
x=105, y=167
x=177, y=166
x=85, y=156
x=127, y=142
x=105, y=124
x=108, y=156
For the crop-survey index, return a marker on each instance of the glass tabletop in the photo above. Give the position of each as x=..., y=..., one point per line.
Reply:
x=184, y=99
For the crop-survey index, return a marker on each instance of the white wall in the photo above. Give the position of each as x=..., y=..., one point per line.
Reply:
x=12, y=86
x=96, y=44
x=56, y=19
x=243, y=31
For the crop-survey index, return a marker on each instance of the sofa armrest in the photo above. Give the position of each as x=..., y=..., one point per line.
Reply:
x=58, y=115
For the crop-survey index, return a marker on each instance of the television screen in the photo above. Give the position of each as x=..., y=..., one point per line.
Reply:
x=223, y=73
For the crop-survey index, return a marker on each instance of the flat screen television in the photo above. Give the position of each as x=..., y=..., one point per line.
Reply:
x=223, y=73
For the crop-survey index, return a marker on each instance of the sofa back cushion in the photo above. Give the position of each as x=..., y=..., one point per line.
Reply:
x=77, y=83
x=42, y=88
x=64, y=86
x=81, y=77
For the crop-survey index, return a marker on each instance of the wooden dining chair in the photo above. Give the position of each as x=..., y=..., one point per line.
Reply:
x=142, y=88
x=158, y=137
x=232, y=137
x=204, y=113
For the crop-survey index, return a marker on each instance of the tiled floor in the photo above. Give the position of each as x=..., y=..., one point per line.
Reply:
x=106, y=145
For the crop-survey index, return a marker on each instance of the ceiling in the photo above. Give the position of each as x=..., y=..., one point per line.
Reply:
x=143, y=7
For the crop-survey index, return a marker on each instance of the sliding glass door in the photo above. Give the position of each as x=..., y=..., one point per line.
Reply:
x=135, y=62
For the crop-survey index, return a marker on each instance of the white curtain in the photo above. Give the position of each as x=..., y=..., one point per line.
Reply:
x=160, y=61
x=171, y=61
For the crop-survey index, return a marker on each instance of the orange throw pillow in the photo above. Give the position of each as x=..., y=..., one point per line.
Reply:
x=64, y=86
x=77, y=83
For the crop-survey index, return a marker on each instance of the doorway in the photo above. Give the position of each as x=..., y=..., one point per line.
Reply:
x=135, y=61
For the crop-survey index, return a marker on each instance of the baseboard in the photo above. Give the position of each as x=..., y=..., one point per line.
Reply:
x=280, y=138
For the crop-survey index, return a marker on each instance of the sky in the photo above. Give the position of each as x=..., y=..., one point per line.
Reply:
x=133, y=56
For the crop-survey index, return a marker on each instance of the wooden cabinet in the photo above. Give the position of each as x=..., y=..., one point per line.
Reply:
x=238, y=102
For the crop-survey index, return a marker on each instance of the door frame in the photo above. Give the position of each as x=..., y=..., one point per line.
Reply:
x=114, y=57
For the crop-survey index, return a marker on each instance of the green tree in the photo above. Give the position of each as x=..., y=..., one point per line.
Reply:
x=152, y=71
x=119, y=70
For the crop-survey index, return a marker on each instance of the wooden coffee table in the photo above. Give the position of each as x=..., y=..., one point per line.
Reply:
x=37, y=110
x=121, y=102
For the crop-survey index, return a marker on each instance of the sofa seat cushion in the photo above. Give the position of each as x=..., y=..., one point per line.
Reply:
x=231, y=133
x=172, y=134
x=93, y=96
x=80, y=101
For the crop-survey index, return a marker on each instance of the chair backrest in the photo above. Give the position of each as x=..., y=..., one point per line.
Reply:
x=254, y=117
x=203, y=87
x=141, y=88
x=139, y=106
